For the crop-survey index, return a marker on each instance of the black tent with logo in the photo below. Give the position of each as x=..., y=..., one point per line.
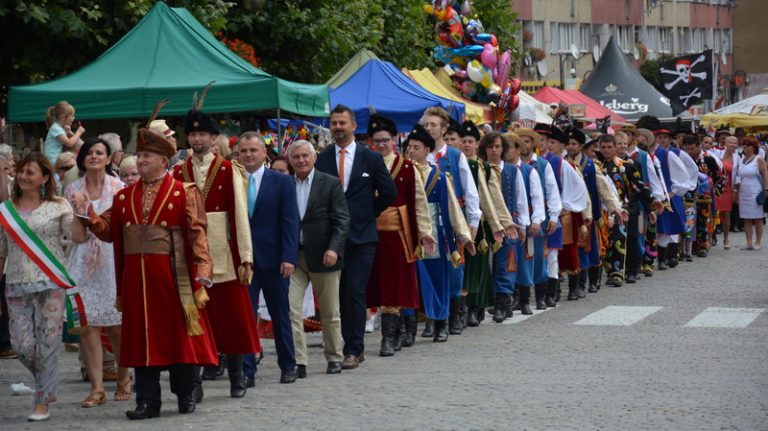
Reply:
x=618, y=86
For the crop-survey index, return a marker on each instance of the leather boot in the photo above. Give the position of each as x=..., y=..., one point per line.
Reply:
x=558, y=290
x=454, y=320
x=514, y=301
x=472, y=320
x=441, y=331
x=397, y=344
x=480, y=314
x=388, y=324
x=551, y=292
x=582, y=290
x=672, y=255
x=429, y=329
x=594, y=276
x=662, y=258
x=573, y=287
x=524, y=299
x=236, y=377
x=210, y=372
x=411, y=327
x=463, y=311
x=540, y=292
x=500, y=310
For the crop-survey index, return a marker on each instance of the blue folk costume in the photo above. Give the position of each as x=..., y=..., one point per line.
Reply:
x=670, y=222
x=435, y=270
x=525, y=260
x=449, y=164
x=504, y=259
x=540, y=274
x=589, y=252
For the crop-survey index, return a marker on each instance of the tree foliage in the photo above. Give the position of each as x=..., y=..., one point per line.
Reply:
x=499, y=18
x=650, y=71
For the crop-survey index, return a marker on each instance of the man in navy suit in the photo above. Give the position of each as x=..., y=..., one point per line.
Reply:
x=369, y=190
x=274, y=217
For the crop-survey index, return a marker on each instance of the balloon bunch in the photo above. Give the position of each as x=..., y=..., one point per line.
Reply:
x=479, y=70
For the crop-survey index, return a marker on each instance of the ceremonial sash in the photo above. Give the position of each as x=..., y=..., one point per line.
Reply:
x=32, y=246
x=35, y=249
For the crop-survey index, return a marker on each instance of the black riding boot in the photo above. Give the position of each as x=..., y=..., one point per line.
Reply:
x=411, y=327
x=236, y=377
x=500, y=309
x=514, y=302
x=397, y=344
x=472, y=317
x=454, y=319
x=388, y=327
x=524, y=298
x=551, y=292
x=429, y=329
x=672, y=255
x=573, y=287
x=594, y=277
x=540, y=292
x=441, y=331
x=662, y=258
x=463, y=311
x=582, y=292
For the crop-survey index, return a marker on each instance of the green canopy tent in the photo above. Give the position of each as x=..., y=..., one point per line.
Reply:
x=169, y=54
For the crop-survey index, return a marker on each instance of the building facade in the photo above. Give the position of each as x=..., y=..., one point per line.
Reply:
x=566, y=37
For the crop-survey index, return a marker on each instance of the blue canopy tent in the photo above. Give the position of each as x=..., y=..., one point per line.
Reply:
x=379, y=84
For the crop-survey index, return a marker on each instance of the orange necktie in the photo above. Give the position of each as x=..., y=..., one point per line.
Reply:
x=341, y=166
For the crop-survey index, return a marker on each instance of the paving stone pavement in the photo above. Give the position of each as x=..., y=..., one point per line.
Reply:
x=541, y=373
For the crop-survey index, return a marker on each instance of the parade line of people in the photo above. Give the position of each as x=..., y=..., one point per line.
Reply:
x=168, y=259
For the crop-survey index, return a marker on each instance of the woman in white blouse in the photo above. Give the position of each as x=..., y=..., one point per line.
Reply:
x=35, y=302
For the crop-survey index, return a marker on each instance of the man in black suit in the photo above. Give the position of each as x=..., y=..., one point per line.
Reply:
x=369, y=190
x=322, y=237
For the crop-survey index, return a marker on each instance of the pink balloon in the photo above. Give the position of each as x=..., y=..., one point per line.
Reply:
x=504, y=67
x=515, y=85
x=488, y=57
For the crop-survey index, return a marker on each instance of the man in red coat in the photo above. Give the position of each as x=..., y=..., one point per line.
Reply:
x=401, y=227
x=162, y=265
x=229, y=239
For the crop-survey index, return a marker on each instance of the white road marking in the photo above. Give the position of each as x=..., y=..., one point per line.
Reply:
x=517, y=317
x=721, y=317
x=618, y=316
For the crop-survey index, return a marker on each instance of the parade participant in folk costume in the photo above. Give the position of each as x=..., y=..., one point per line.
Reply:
x=644, y=256
x=494, y=148
x=587, y=241
x=450, y=229
x=452, y=135
x=496, y=219
x=628, y=183
x=563, y=252
x=553, y=206
x=710, y=184
x=222, y=185
x=402, y=227
x=535, y=232
x=689, y=200
x=670, y=224
x=158, y=227
x=453, y=163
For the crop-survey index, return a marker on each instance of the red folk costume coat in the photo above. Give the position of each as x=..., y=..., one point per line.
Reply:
x=154, y=329
x=393, y=277
x=229, y=308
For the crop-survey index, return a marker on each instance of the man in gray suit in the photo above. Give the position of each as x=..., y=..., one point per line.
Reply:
x=323, y=233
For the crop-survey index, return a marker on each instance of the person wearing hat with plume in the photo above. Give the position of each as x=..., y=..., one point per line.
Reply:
x=553, y=206
x=478, y=280
x=403, y=228
x=222, y=185
x=162, y=264
x=449, y=228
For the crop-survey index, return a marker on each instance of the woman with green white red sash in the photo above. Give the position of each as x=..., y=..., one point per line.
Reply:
x=35, y=221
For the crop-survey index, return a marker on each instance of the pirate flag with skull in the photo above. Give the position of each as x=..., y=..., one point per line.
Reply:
x=688, y=79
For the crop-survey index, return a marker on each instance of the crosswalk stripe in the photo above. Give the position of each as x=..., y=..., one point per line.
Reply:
x=517, y=317
x=618, y=316
x=721, y=317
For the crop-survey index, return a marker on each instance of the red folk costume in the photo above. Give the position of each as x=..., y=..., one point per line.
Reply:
x=393, y=277
x=161, y=257
x=229, y=310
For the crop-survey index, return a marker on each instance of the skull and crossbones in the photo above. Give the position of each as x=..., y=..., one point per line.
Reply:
x=683, y=72
x=695, y=93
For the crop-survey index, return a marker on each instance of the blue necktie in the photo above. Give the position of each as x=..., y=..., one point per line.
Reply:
x=251, y=194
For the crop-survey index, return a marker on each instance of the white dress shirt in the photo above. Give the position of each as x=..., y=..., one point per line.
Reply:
x=348, y=160
x=471, y=195
x=521, y=200
x=692, y=168
x=554, y=203
x=302, y=197
x=658, y=190
x=537, y=195
x=678, y=175
x=574, y=197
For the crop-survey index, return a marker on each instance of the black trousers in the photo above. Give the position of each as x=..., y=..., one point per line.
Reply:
x=352, y=287
x=148, y=383
x=634, y=254
x=5, y=333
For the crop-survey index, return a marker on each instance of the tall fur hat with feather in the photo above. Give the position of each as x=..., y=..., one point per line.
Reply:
x=196, y=120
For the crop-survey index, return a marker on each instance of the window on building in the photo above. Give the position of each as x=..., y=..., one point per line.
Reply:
x=585, y=37
x=538, y=34
x=562, y=36
x=625, y=37
x=727, y=41
x=686, y=40
x=665, y=40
